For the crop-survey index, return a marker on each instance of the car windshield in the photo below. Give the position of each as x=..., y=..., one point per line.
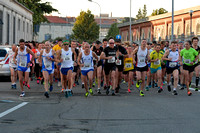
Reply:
x=3, y=53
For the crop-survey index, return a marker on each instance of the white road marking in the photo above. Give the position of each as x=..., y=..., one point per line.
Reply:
x=12, y=109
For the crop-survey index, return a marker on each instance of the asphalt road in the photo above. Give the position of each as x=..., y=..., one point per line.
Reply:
x=123, y=113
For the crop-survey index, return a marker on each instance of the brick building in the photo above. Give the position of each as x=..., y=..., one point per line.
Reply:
x=159, y=27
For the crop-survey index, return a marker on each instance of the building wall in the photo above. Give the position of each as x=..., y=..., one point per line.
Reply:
x=54, y=30
x=18, y=19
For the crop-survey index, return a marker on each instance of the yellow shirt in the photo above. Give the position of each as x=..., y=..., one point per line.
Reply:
x=57, y=47
x=155, y=55
x=128, y=64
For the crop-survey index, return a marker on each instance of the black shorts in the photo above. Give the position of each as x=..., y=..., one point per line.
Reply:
x=170, y=70
x=108, y=68
x=188, y=68
x=126, y=72
x=75, y=69
x=120, y=68
x=163, y=66
x=142, y=69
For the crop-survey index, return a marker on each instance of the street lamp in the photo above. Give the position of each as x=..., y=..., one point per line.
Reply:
x=172, y=36
x=190, y=12
x=99, y=15
x=130, y=25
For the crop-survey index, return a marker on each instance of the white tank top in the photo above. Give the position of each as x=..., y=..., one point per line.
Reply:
x=173, y=55
x=87, y=60
x=67, y=58
x=142, y=57
x=10, y=56
x=22, y=57
x=38, y=54
x=45, y=62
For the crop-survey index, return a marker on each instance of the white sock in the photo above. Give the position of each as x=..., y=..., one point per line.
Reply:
x=174, y=89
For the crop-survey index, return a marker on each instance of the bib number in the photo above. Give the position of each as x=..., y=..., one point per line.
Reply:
x=111, y=60
x=128, y=65
x=141, y=59
x=87, y=65
x=22, y=64
x=118, y=63
x=187, y=61
x=172, y=64
x=66, y=58
x=157, y=62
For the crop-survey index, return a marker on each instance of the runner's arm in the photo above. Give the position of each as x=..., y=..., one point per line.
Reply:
x=95, y=56
x=79, y=59
x=4, y=58
x=31, y=52
x=165, y=56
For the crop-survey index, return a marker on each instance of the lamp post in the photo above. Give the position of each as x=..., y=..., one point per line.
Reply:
x=172, y=36
x=99, y=16
x=130, y=25
x=190, y=12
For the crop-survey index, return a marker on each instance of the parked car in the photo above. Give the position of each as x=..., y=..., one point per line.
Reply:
x=4, y=65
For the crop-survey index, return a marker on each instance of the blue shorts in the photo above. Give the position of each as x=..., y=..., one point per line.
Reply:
x=84, y=72
x=64, y=71
x=153, y=70
x=49, y=71
x=23, y=69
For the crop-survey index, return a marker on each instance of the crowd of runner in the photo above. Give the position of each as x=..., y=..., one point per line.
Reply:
x=105, y=65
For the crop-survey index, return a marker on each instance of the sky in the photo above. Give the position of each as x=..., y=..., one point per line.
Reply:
x=119, y=8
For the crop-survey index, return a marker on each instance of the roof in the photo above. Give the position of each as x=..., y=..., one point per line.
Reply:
x=56, y=19
x=23, y=6
x=105, y=21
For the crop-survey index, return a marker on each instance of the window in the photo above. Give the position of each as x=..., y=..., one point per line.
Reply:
x=187, y=32
x=14, y=29
x=162, y=35
x=1, y=26
x=27, y=27
x=47, y=37
x=178, y=31
x=23, y=26
x=8, y=28
x=198, y=29
x=3, y=53
x=19, y=24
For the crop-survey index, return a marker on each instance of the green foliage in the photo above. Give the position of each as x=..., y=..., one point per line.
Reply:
x=39, y=9
x=142, y=13
x=159, y=11
x=113, y=31
x=139, y=15
x=127, y=19
x=85, y=27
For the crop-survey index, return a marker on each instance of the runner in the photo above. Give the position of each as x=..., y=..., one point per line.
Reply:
x=149, y=75
x=38, y=68
x=87, y=67
x=65, y=58
x=142, y=56
x=109, y=55
x=105, y=44
x=163, y=63
x=195, y=41
x=181, y=74
x=129, y=66
x=12, y=66
x=46, y=59
x=98, y=50
x=23, y=63
x=155, y=58
x=189, y=56
x=80, y=51
x=120, y=65
x=172, y=65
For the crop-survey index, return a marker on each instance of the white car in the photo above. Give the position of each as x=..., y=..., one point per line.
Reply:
x=4, y=65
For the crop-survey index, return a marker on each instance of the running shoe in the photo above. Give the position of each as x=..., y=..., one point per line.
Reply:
x=105, y=87
x=138, y=83
x=113, y=93
x=196, y=89
x=107, y=90
x=86, y=94
x=12, y=86
x=83, y=86
x=141, y=93
x=22, y=94
x=24, y=83
x=169, y=88
x=51, y=88
x=77, y=83
x=90, y=90
x=38, y=81
x=66, y=94
x=98, y=91
x=174, y=92
x=189, y=93
x=147, y=88
x=70, y=93
x=62, y=90
x=182, y=88
x=96, y=80
x=59, y=83
x=164, y=82
x=15, y=86
x=117, y=89
x=160, y=90
x=129, y=91
x=93, y=85
x=156, y=85
x=46, y=94
x=74, y=85
x=28, y=86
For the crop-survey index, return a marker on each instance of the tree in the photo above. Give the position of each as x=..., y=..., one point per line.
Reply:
x=144, y=12
x=39, y=9
x=159, y=11
x=127, y=19
x=139, y=15
x=85, y=27
x=113, y=31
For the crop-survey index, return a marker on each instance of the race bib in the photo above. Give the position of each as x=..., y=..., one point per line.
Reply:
x=118, y=63
x=141, y=59
x=157, y=62
x=86, y=65
x=187, y=61
x=111, y=60
x=66, y=58
x=172, y=64
x=22, y=64
x=128, y=65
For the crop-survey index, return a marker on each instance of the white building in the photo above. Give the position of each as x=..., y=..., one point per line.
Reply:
x=57, y=27
x=15, y=22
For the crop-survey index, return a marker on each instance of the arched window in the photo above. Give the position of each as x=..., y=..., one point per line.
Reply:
x=198, y=29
